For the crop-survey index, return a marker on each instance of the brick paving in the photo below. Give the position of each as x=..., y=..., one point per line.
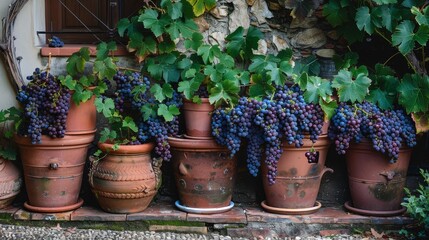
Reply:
x=240, y=221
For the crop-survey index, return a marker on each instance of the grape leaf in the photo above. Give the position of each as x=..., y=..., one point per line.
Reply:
x=421, y=121
x=259, y=87
x=173, y=30
x=403, y=37
x=148, y=111
x=122, y=26
x=422, y=35
x=105, y=68
x=168, y=112
x=328, y=107
x=103, y=50
x=200, y=6
x=129, y=123
x=150, y=20
x=68, y=82
x=106, y=106
x=175, y=10
x=106, y=134
x=316, y=88
x=235, y=42
x=335, y=13
x=258, y=64
x=414, y=93
x=195, y=42
x=351, y=87
x=225, y=91
x=187, y=28
x=156, y=90
x=380, y=98
x=8, y=153
x=166, y=46
x=188, y=88
x=363, y=20
x=208, y=53
x=76, y=62
x=422, y=18
x=81, y=95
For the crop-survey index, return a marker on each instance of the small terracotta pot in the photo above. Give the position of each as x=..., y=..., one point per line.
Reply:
x=81, y=119
x=297, y=183
x=198, y=118
x=125, y=181
x=10, y=182
x=375, y=184
x=53, y=171
x=204, y=172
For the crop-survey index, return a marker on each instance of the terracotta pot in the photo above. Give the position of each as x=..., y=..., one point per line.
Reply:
x=204, y=172
x=375, y=184
x=81, y=119
x=198, y=119
x=53, y=171
x=297, y=183
x=10, y=182
x=125, y=181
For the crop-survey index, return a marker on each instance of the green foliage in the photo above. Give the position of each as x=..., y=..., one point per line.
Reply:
x=9, y=121
x=352, y=85
x=201, y=6
x=417, y=203
x=155, y=30
x=86, y=84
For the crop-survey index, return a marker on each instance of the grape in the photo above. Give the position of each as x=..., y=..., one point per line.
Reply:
x=267, y=123
x=56, y=42
x=386, y=129
x=46, y=104
x=132, y=96
x=312, y=156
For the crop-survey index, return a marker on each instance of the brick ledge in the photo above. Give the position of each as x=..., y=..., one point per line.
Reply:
x=69, y=49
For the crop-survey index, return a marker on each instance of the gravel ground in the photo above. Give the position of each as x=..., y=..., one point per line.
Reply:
x=45, y=233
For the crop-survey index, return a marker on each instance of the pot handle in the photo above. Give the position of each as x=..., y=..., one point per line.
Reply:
x=93, y=161
x=2, y=164
x=156, y=166
x=326, y=169
x=388, y=174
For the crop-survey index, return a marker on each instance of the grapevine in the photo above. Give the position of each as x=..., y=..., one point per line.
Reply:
x=46, y=104
x=387, y=130
x=269, y=122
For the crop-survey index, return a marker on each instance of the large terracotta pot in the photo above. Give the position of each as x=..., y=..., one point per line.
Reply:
x=375, y=184
x=53, y=171
x=81, y=119
x=198, y=119
x=125, y=181
x=297, y=182
x=204, y=173
x=10, y=182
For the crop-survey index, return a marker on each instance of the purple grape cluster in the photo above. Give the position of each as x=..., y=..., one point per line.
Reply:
x=56, y=42
x=388, y=130
x=285, y=117
x=46, y=105
x=132, y=95
x=312, y=156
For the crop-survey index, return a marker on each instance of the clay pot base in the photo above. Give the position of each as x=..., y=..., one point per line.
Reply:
x=291, y=211
x=349, y=206
x=204, y=210
x=197, y=138
x=54, y=209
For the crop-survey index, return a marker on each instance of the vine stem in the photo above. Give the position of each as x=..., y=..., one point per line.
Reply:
x=390, y=42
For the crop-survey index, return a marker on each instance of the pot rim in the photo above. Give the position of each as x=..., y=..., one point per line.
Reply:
x=126, y=149
x=194, y=144
x=67, y=140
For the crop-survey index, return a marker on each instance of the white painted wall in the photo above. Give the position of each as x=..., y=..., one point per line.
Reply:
x=29, y=20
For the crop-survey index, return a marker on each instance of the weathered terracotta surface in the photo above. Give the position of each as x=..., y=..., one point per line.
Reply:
x=198, y=118
x=204, y=172
x=53, y=169
x=375, y=184
x=125, y=180
x=81, y=119
x=10, y=182
x=297, y=182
